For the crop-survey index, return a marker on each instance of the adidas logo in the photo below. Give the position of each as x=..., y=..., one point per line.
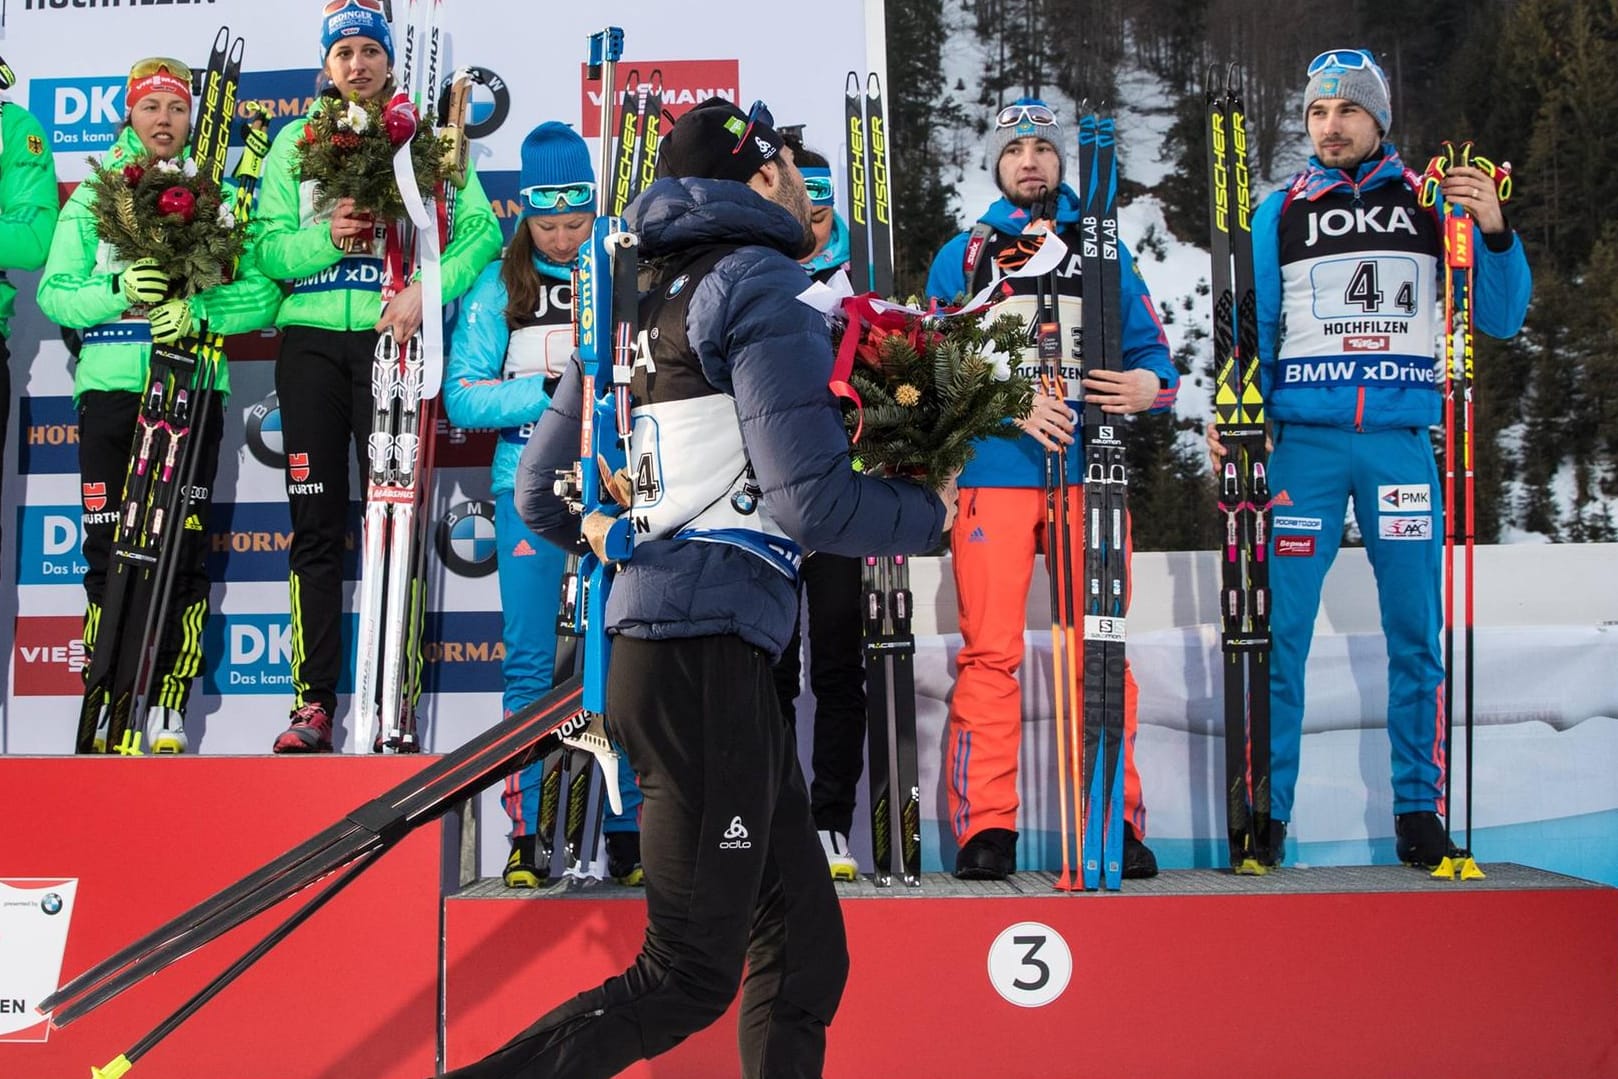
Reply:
x=1282, y=499
x=977, y=536
x=736, y=836
x=523, y=549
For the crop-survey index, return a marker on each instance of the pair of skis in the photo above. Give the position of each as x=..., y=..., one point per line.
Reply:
x=1459, y=263
x=1089, y=677
x=890, y=643
x=1244, y=493
x=158, y=504
x=640, y=133
x=405, y=379
x=347, y=847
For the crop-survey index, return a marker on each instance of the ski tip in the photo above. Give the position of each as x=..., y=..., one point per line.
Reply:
x=873, y=85
x=851, y=85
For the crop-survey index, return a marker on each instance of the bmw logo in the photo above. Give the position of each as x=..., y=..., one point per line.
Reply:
x=489, y=107
x=51, y=904
x=465, y=538
x=743, y=502
x=677, y=285
x=264, y=433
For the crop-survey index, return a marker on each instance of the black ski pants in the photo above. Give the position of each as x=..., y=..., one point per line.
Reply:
x=323, y=385
x=107, y=422
x=735, y=879
x=831, y=588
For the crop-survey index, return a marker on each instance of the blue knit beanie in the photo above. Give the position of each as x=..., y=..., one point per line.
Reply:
x=355, y=20
x=554, y=155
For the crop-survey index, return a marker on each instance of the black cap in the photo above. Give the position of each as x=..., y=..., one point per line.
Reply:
x=720, y=141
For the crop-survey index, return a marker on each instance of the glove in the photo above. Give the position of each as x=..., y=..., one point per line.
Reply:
x=256, y=140
x=144, y=282
x=171, y=320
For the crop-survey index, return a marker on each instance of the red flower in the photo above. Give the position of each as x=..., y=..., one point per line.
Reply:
x=399, y=120
x=177, y=200
x=132, y=174
x=308, y=135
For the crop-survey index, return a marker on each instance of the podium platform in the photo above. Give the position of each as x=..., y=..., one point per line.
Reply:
x=1329, y=973
x=1326, y=973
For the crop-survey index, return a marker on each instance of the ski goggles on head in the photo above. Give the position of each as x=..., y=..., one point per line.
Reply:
x=1012, y=115
x=559, y=198
x=1347, y=59
x=759, y=111
x=158, y=74
x=817, y=181
x=334, y=6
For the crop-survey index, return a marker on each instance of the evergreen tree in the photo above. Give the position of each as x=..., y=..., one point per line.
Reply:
x=920, y=112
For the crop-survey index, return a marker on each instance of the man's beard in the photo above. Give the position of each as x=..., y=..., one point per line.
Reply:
x=794, y=198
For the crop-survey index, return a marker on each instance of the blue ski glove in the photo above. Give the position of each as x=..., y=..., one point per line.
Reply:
x=144, y=282
x=171, y=320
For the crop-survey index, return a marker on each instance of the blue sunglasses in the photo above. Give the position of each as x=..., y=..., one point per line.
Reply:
x=559, y=196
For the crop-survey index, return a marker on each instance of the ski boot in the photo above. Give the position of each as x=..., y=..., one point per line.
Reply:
x=522, y=867
x=1420, y=840
x=1139, y=861
x=838, y=858
x=623, y=859
x=309, y=732
x=989, y=855
x=166, y=730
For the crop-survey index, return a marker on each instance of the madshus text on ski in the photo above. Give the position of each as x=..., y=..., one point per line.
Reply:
x=691, y=499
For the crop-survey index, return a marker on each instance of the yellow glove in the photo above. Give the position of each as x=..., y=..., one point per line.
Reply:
x=171, y=320
x=144, y=282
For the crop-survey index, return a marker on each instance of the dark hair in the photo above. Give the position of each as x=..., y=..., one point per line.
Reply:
x=522, y=281
x=802, y=155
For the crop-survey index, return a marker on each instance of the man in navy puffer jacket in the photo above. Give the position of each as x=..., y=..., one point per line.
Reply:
x=739, y=463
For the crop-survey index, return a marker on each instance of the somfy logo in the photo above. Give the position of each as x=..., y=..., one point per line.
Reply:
x=736, y=836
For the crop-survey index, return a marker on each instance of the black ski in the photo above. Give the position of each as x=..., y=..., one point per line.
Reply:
x=859, y=206
x=1244, y=498
x=157, y=501
x=1106, y=502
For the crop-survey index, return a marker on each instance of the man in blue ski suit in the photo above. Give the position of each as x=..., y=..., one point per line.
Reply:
x=1001, y=523
x=1349, y=271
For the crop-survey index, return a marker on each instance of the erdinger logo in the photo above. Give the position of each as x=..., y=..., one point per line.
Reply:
x=95, y=497
x=465, y=539
x=264, y=439
x=490, y=104
x=298, y=467
x=736, y=836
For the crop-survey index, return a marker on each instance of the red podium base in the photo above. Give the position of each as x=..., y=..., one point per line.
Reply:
x=353, y=992
x=1324, y=973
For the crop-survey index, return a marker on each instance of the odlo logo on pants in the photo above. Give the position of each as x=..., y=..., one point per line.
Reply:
x=736, y=836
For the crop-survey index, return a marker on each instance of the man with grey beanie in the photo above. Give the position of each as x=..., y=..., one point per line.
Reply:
x=1002, y=520
x=1348, y=268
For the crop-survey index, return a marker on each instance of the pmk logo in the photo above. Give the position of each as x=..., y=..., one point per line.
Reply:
x=298, y=467
x=95, y=497
x=1404, y=498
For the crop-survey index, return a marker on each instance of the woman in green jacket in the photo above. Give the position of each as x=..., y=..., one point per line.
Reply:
x=120, y=310
x=330, y=321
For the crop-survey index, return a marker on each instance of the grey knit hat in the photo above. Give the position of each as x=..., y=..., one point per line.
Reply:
x=1025, y=117
x=1352, y=75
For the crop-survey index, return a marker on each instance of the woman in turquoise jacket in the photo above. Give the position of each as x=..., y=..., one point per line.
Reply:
x=510, y=347
x=121, y=310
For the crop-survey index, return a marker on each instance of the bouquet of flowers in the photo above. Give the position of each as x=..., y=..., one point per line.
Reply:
x=161, y=209
x=930, y=385
x=347, y=148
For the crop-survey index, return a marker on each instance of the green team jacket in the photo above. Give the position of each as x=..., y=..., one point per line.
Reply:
x=78, y=291
x=328, y=289
x=28, y=200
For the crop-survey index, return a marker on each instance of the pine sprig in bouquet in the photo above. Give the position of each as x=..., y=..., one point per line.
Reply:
x=930, y=386
x=347, y=148
x=159, y=209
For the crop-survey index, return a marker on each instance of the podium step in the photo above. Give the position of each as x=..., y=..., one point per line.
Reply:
x=1350, y=972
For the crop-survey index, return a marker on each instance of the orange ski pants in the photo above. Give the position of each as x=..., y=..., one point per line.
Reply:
x=997, y=532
